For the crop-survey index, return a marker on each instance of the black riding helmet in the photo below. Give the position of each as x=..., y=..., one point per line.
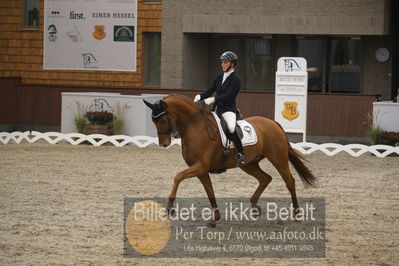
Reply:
x=230, y=56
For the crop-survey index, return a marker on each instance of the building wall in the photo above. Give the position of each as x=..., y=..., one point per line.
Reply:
x=334, y=17
x=21, y=50
x=377, y=76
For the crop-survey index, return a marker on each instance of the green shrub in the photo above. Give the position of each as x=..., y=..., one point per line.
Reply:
x=117, y=125
x=80, y=123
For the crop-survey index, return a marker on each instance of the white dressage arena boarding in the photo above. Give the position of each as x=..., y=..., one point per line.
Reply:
x=329, y=149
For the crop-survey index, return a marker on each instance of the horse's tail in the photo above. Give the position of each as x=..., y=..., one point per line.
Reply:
x=296, y=159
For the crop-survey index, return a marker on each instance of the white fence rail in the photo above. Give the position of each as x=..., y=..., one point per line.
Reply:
x=329, y=149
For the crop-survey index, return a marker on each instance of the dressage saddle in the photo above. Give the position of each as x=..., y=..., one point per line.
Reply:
x=223, y=123
x=226, y=153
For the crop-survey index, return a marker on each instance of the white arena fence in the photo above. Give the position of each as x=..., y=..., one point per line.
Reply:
x=329, y=149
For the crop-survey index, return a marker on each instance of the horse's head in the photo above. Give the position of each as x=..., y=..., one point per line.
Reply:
x=164, y=121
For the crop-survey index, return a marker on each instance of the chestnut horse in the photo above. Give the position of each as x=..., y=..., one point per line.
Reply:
x=178, y=115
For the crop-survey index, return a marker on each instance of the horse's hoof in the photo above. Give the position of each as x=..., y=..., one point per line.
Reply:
x=212, y=224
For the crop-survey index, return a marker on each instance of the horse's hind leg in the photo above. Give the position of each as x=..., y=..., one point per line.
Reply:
x=264, y=179
x=290, y=183
x=206, y=182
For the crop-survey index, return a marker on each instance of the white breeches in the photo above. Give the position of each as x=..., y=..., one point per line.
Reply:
x=230, y=119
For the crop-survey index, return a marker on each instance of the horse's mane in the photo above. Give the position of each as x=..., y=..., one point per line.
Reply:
x=181, y=96
x=175, y=98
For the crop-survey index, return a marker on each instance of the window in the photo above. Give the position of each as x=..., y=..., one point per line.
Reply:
x=31, y=14
x=256, y=58
x=152, y=58
x=314, y=52
x=344, y=66
x=333, y=63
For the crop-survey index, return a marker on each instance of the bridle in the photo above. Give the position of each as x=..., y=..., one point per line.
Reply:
x=170, y=129
x=158, y=117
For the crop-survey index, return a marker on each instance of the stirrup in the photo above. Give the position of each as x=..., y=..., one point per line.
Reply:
x=240, y=159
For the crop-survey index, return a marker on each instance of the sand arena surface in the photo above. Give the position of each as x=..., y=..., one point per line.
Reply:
x=63, y=204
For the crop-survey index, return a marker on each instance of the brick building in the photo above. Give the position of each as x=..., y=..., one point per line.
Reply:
x=349, y=45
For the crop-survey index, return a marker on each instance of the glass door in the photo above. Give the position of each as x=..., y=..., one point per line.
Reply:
x=313, y=50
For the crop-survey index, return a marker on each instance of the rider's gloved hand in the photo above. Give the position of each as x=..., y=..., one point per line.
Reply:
x=197, y=98
x=209, y=100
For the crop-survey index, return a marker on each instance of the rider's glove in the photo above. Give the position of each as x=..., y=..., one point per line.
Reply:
x=210, y=100
x=197, y=98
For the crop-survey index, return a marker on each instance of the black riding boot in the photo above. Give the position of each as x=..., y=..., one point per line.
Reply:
x=240, y=159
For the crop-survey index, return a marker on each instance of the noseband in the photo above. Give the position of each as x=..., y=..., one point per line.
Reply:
x=158, y=117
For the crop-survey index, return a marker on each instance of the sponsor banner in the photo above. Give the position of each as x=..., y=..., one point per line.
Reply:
x=90, y=35
x=291, y=94
x=275, y=230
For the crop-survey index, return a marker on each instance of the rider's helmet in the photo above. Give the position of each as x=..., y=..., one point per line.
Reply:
x=230, y=56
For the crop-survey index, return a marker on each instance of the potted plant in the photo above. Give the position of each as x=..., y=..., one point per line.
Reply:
x=100, y=122
x=388, y=138
x=89, y=121
x=378, y=135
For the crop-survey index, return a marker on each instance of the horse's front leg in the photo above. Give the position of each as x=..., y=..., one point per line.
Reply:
x=206, y=182
x=194, y=170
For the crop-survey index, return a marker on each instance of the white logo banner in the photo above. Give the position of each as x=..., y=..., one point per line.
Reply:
x=90, y=34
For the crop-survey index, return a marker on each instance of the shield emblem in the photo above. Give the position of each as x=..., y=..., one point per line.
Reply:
x=290, y=111
x=99, y=32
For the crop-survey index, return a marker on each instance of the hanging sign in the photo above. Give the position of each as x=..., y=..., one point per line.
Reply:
x=90, y=35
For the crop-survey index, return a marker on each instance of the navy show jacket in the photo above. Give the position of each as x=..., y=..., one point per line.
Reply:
x=226, y=93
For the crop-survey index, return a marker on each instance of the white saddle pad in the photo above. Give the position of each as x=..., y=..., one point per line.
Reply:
x=249, y=133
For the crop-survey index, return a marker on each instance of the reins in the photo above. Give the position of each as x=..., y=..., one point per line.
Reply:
x=208, y=123
x=202, y=111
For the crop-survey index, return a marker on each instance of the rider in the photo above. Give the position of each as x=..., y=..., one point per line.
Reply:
x=227, y=85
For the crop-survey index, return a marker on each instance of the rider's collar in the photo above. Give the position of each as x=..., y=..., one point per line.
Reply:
x=226, y=75
x=231, y=70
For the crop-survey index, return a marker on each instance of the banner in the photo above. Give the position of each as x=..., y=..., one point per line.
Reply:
x=90, y=34
x=291, y=94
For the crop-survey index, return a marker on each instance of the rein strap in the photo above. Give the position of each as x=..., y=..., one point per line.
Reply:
x=208, y=123
x=203, y=112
